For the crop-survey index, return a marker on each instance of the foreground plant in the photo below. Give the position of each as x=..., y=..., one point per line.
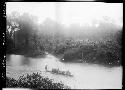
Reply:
x=34, y=80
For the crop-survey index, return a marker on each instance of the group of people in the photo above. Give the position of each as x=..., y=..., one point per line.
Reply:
x=59, y=72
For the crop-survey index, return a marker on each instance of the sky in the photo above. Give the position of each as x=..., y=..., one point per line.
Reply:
x=70, y=12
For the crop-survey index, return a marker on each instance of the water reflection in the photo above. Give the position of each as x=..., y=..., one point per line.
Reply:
x=18, y=60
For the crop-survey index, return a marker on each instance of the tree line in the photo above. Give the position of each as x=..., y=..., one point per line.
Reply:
x=79, y=44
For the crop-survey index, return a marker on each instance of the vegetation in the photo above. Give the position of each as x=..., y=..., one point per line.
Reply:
x=34, y=80
x=24, y=36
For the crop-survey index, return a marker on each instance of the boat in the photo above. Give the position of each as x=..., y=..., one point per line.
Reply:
x=57, y=71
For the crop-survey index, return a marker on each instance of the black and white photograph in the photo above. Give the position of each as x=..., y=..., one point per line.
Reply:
x=64, y=45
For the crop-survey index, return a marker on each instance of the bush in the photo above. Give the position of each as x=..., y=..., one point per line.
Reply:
x=34, y=80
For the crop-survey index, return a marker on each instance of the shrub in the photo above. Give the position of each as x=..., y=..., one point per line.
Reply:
x=34, y=80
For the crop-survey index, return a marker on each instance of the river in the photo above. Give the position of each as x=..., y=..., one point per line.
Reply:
x=86, y=76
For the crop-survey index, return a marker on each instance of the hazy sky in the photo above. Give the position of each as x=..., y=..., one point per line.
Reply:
x=70, y=12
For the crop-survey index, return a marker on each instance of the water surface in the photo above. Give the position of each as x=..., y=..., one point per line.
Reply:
x=86, y=76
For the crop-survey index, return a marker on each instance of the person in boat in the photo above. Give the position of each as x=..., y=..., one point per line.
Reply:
x=46, y=67
x=68, y=73
x=55, y=70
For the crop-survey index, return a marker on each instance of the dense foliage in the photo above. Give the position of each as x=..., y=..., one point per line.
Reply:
x=35, y=81
x=80, y=44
